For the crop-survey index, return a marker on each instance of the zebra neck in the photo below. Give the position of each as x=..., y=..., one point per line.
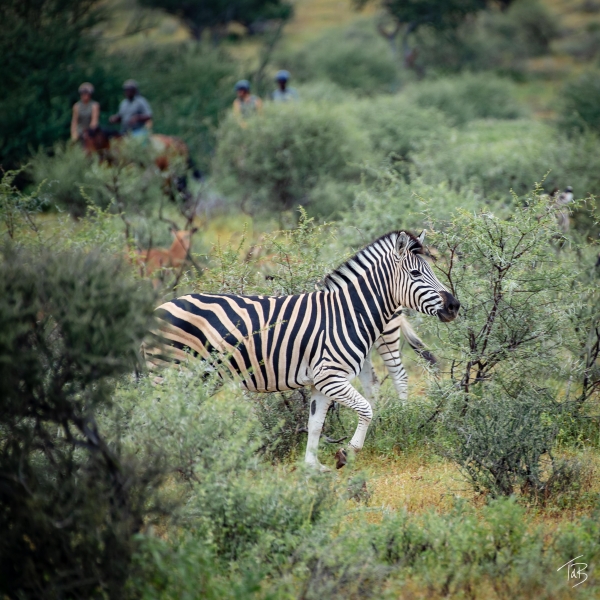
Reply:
x=373, y=307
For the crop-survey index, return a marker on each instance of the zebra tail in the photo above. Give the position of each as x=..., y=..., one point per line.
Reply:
x=415, y=342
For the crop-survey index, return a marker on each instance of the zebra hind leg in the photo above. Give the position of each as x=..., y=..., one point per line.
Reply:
x=319, y=404
x=369, y=381
x=388, y=349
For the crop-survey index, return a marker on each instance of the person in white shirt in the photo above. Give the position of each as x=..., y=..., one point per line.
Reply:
x=284, y=93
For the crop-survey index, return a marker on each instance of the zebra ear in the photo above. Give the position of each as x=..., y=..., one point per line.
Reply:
x=402, y=243
x=421, y=237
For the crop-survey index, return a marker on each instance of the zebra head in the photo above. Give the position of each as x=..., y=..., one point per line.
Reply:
x=417, y=286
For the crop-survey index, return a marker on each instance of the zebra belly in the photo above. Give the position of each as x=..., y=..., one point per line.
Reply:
x=303, y=378
x=266, y=342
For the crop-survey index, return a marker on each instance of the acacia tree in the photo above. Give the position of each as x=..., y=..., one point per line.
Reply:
x=409, y=15
x=514, y=289
x=215, y=15
x=522, y=358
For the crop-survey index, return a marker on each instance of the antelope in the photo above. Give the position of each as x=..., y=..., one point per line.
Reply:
x=155, y=259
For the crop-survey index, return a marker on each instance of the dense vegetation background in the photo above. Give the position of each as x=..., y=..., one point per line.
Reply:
x=459, y=117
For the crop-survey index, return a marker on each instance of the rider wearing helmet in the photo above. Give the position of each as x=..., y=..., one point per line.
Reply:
x=245, y=104
x=284, y=93
x=134, y=111
x=86, y=112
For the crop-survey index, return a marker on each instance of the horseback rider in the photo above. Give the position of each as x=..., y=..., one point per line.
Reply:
x=134, y=113
x=284, y=93
x=86, y=113
x=245, y=104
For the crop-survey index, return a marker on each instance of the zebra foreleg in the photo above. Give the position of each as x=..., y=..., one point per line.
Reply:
x=319, y=404
x=339, y=389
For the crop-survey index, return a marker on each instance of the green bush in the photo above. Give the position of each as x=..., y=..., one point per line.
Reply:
x=397, y=127
x=324, y=91
x=513, y=289
x=491, y=158
x=510, y=349
x=400, y=428
x=503, y=438
x=239, y=506
x=71, y=180
x=580, y=108
x=291, y=261
x=71, y=322
x=244, y=529
x=277, y=159
x=356, y=59
x=469, y=552
x=468, y=97
x=388, y=203
x=530, y=25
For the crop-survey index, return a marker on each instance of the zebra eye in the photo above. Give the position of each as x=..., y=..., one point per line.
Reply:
x=415, y=273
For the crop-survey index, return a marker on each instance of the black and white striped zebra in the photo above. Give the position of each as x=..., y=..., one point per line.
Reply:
x=319, y=339
x=387, y=346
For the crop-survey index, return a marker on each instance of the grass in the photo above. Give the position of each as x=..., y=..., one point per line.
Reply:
x=416, y=482
x=420, y=482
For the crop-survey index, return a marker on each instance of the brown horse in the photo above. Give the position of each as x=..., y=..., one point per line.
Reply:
x=166, y=149
x=99, y=141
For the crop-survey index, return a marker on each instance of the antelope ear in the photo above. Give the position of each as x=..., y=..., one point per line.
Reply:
x=421, y=237
x=402, y=243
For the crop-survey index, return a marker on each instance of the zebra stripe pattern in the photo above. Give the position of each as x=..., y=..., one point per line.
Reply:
x=320, y=339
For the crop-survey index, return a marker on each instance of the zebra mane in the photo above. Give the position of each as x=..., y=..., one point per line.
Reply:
x=339, y=277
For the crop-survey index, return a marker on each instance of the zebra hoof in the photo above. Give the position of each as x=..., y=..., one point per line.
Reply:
x=317, y=466
x=341, y=458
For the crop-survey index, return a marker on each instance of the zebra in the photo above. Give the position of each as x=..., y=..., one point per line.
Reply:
x=319, y=339
x=387, y=346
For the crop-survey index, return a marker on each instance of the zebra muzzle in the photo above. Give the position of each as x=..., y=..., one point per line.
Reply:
x=450, y=310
